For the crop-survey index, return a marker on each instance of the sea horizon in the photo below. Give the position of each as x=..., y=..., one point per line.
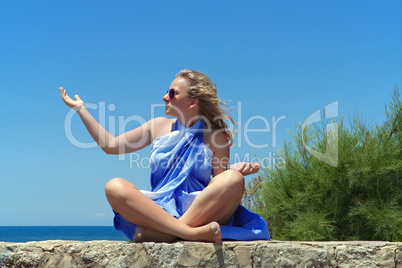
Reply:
x=27, y=233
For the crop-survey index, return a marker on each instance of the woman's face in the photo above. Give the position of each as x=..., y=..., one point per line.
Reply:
x=180, y=104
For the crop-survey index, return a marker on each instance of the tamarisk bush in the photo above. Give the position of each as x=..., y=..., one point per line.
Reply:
x=360, y=198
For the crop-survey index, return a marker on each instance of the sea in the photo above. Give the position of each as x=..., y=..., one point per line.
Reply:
x=42, y=233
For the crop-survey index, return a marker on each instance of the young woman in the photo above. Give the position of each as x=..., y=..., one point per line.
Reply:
x=184, y=202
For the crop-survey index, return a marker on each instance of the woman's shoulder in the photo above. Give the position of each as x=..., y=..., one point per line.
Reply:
x=161, y=126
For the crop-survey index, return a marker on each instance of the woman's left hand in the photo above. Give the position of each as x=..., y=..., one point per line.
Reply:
x=246, y=168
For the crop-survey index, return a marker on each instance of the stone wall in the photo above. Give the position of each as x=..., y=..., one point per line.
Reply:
x=194, y=254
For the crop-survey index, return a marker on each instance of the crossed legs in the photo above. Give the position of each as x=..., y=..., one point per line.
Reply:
x=213, y=206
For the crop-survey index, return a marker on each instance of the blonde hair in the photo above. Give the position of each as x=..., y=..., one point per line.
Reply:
x=210, y=106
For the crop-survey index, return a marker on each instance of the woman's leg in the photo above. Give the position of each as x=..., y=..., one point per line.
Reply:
x=217, y=202
x=137, y=208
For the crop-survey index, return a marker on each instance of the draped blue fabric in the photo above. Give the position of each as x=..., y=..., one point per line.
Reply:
x=181, y=167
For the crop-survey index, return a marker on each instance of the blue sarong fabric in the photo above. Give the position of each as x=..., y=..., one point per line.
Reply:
x=181, y=167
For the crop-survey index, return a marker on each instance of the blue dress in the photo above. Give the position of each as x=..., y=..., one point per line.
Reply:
x=180, y=169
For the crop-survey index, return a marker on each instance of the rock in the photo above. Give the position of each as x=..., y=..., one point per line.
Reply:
x=58, y=253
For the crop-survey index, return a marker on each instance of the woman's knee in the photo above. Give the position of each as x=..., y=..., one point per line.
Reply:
x=117, y=188
x=235, y=178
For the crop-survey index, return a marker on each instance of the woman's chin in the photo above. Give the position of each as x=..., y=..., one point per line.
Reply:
x=168, y=113
x=171, y=112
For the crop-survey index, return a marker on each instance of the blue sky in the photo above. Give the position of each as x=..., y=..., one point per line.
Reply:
x=271, y=59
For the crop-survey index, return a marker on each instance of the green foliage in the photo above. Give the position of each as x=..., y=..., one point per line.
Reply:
x=359, y=198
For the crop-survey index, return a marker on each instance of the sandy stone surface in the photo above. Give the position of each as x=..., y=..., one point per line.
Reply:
x=57, y=253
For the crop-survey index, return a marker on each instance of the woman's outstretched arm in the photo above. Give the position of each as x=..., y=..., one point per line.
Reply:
x=128, y=142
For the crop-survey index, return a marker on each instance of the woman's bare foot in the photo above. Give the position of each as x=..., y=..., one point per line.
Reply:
x=145, y=235
x=215, y=232
x=208, y=233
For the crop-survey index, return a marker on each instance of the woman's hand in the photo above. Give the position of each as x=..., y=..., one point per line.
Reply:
x=246, y=168
x=76, y=104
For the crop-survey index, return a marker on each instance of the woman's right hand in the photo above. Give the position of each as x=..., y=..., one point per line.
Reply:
x=76, y=104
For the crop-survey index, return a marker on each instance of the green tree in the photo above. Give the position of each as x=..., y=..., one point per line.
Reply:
x=359, y=198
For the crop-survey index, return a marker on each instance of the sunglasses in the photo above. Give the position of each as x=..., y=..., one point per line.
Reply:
x=171, y=93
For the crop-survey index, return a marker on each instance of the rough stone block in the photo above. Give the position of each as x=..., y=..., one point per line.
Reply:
x=195, y=254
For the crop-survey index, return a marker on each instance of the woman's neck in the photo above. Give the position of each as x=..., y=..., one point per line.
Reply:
x=188, y=122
